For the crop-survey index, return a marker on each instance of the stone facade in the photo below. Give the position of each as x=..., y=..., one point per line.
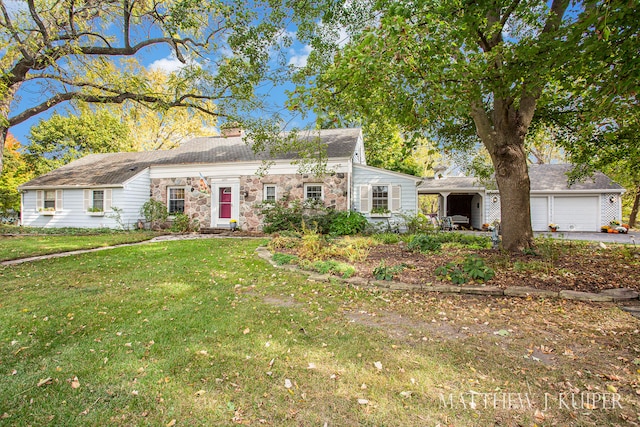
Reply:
x=197, y=204
x=288, y=187
x=197, y=197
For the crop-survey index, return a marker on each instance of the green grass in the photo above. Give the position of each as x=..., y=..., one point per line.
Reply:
x=203, y=332
x=24, y=246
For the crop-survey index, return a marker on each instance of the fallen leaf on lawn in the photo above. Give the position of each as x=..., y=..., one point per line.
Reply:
x=75, y=383
x=378, y=365
x=612, y=388
x=171, y=423
x=613, y=377
x=14, y=372
x=45, y=381
x=200, y=393
x=546, y=350
x=246, y=331
x=135, y=392
x=539, y=415
x=4, y=416
x=363, y=401
x=501, y=332
x=405, y=393
x=287, y=383
x=311, y=365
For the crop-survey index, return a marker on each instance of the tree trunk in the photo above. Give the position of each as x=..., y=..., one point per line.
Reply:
x=512, y=177
x=634, y=210
x=503, y=131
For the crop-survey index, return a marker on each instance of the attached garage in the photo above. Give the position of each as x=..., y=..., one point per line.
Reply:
x=540, y=213
x=574, y=206
x=576, y=213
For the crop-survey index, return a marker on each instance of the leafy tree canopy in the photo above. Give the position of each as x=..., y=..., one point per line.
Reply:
x=91, y=50
x=465, y=73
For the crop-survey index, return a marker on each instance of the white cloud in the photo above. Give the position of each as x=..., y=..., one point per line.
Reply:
x=299, y=58
x=169, y=64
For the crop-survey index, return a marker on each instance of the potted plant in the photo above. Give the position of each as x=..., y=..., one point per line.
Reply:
x=95, y=211
x=553, y=227
x=233, y=224
x=380, y=212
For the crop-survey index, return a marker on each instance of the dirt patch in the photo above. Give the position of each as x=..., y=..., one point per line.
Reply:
x=587, y=268
x=406, y=328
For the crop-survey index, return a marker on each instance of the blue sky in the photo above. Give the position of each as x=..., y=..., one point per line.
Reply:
x=162, y=58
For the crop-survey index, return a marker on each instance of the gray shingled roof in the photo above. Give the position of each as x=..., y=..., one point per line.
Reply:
x=116, y=168
x=554, y=178
x=542, y=177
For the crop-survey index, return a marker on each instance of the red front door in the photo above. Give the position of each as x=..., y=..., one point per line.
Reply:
x=224, y=208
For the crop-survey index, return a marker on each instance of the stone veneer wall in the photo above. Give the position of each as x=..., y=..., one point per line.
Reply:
x=289, y=187
x=197, y=204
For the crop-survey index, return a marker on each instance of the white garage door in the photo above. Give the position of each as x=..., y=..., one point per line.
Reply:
x=540, y=213
x=576, y=213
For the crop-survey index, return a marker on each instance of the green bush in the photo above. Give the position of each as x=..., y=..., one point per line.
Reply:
x=385, y=272
x=346, y=223
x=432, y=242
x=334, y=267
x=154, y=211
x=472, y=268
x=418, y=223
x=183, y=224
x=425, y=243
x=387, y=238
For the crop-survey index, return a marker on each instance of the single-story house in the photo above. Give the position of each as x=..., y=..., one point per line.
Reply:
x=214, y=180
x=582, y=206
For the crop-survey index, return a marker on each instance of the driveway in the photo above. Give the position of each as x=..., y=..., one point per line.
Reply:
x=632, y=237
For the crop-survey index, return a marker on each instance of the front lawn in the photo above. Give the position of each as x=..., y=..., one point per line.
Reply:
x=15, y=246
x=203, y=332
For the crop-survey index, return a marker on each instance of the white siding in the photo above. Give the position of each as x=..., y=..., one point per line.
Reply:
x=477, y=210
x=407, y=197
x=74, y=213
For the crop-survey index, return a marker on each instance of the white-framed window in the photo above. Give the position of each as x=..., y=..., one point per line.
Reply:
x=48, y=200
x=270, y=194
x=380, y=198
x=175, y=197
x=313, y=192
x=98, y=200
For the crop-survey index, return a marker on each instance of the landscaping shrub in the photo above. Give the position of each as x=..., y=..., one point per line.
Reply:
x=154, y=211
x=347, y=223
x=387, y=238
x=424, y=243
x=334, y=267
x=472, y=268
x=293, y=216
x=418, y=223
x=385, y=272
x=432, y=242
x=183, y=224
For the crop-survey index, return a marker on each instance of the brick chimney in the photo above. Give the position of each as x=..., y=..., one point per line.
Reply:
x=231, y=130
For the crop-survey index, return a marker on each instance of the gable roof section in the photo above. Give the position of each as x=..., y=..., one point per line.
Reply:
x=554, y=178
x=114, y=169
x=381, y=171
x=544, y=178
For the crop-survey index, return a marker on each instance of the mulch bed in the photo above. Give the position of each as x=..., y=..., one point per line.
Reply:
x=586, y=268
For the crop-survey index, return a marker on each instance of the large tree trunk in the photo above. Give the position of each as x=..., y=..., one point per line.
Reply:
x=512, y=177
x=634, y=210
x=503, y=131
